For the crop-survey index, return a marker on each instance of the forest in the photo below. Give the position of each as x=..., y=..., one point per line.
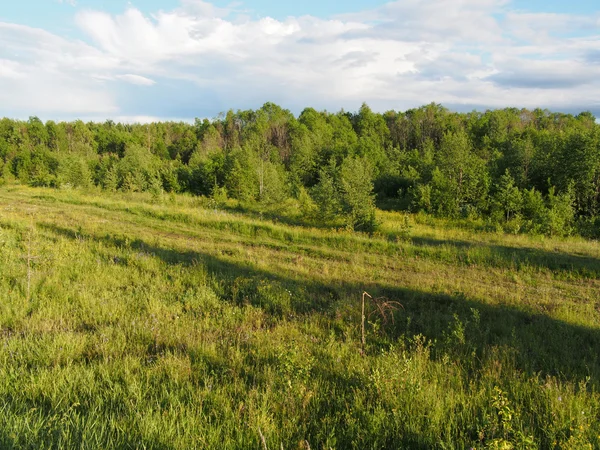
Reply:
x=512, y=170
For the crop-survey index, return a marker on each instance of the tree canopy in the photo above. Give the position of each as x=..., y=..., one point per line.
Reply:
x=536, y=171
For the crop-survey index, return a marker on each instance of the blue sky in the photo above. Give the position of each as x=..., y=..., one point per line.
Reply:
x=52, y=14
x=180, y=59
x=58, y=15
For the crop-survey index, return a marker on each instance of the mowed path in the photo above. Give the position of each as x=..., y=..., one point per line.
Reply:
x=567, y=288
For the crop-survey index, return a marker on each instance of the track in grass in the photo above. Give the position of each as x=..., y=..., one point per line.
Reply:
x=161, y=324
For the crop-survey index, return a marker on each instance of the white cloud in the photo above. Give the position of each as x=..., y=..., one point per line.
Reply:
x=400, y=55
x=136, y=79
x=44, y=73
x=147, y=119
x=10, y=69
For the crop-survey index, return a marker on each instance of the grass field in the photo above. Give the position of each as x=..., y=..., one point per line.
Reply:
x=128, y=321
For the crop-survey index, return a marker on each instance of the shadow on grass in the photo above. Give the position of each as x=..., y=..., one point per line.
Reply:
x=278, y=217
x=567, y=266
x=52, y=434
x=6, y=441
x=460, y=326
x=570, y=266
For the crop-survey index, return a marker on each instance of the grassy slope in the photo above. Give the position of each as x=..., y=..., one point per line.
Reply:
x=165, y=325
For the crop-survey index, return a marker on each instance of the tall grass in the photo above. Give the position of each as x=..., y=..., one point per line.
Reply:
x=165, y=324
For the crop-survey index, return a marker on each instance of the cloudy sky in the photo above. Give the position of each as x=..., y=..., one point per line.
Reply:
x=179, y=59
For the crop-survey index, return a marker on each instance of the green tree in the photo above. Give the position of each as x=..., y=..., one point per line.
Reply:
x=464, y=182
x=74, y=171
x=241, y=178
x=507, y=200
x=37, y=133
x=356, y=194
x=207, y=171
x=138, y=169
x=534, y=210
x=274, y=186
x=325, y=194
x=560, y=213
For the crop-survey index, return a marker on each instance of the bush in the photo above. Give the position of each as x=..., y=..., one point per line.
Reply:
x=169, y=177
x=218, y=197
x=207, y=171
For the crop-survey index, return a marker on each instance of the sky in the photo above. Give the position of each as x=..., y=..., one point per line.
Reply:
x=149, y=60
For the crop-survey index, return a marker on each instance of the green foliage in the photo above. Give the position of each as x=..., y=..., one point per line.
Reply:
x=441, y=195
x=274, y=189
x=177, y=326
x=507, y=200
x=356, y=194
x=308, y=207
x=41, y=170
x=461, y=175
x=534, y=210
x=207, y=171
x=325, y=194
x=111, y=179
x=219, y=197
x=502, y=424
x=137, y=171
x=241, y=180
x=169, y=177
x=559, y=216
x=451, y=165
x=74, y=171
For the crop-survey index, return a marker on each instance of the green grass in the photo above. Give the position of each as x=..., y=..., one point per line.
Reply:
x=161, y=323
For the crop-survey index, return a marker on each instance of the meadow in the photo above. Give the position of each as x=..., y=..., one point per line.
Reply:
x=169, y=322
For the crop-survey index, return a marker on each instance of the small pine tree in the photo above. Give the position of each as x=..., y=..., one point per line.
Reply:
x=74, y=171
x=560, y=213
x=275, y=190
x=507, y=199
x=111, y=180
x=443, y=200
x=155, y=186
x=132, y=183
x=307, y=205
x=356, y=194
x=534, y=210
x=326, y=196
x=241, y=180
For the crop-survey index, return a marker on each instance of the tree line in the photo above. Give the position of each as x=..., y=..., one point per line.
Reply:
x=523, y=170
